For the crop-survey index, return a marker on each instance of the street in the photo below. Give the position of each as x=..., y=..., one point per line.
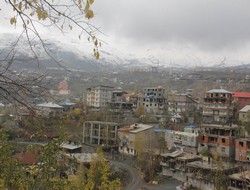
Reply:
x=135, y=181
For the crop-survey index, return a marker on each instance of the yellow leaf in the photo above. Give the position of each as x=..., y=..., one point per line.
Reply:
x=91, y=1
x=89, y=14
x=97, y=55
x=13, y=20
x=39, y=13
x=20, y=6
x=96, y=42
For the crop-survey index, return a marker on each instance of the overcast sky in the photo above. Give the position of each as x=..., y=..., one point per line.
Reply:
x=202, y=28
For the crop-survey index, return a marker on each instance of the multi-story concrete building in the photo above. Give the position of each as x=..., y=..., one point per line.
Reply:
x=135, y=138
x=204, y=175
x=153, y=99
x=101, y=133
x=217, y=107
x=218, y=139
x=186, y=141
x=239, y=181
x=242, y=150
x=241, y=99
x=181, y=104
x=174, y=164
x=99, y=96
x=119, y=96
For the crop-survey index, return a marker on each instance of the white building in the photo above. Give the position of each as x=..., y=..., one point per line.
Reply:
x=182, y=140
x=99, y=96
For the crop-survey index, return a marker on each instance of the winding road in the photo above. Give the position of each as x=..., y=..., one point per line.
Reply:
x=137, y=183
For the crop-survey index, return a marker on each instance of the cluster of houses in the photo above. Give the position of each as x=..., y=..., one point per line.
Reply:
x=214, y=130
x=217, y=106
x=197, y=154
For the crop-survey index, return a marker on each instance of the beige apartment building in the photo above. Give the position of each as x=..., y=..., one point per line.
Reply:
x=134, y=138
x=99, y=96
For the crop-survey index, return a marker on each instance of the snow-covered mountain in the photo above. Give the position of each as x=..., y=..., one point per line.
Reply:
x=73, y=55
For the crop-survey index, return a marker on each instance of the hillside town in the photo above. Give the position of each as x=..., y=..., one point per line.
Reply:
x=203, y=142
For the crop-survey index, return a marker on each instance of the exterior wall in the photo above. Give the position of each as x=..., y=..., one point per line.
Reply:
x=181, y=104
x=243, y=116
x=200, y=184
x=220, y=140
x=118, y=96
x=100, y=133
x=99, y=96
x=188, y=142
x=132, y=142
x=153, y=99
x=242, y=152
x=241, y=101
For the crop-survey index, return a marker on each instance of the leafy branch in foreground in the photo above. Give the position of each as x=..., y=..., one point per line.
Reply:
x=69, y=15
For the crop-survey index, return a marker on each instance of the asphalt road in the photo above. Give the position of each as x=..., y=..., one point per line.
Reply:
x=135, y=181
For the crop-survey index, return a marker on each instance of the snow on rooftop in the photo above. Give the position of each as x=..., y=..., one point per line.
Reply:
x=245, y=109
x=219, y=91
x=49, y=105
x=135, y=128
x=70, y=146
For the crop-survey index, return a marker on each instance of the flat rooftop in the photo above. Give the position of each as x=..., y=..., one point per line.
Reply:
x=189, y=157
x=135, y=128
x=240, y=176
x=173, y=154
x=212, y=166
x=83, y=157
x=102, y=122
x=70, y=146
x=233, y=126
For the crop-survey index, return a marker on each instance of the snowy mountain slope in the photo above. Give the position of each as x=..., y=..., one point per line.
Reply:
x=74, y=55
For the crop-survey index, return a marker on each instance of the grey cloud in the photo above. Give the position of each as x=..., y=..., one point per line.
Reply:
x=208, y=24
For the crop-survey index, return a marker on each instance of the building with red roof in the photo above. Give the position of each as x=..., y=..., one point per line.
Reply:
x=27, y=158
x=241, y=98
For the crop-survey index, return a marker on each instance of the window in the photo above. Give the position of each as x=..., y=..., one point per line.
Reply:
x=241, y=144
x=223, y=140
x=223, y=149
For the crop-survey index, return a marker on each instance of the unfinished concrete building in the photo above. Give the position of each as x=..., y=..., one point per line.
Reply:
x=239, y=181
x=175, y=164
x=219, y=140
x=153, y=99
x=204, y=175
x=181, y=104
x=242, y=151
x=101, y=133
x=218, y=107
x=186, y=141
